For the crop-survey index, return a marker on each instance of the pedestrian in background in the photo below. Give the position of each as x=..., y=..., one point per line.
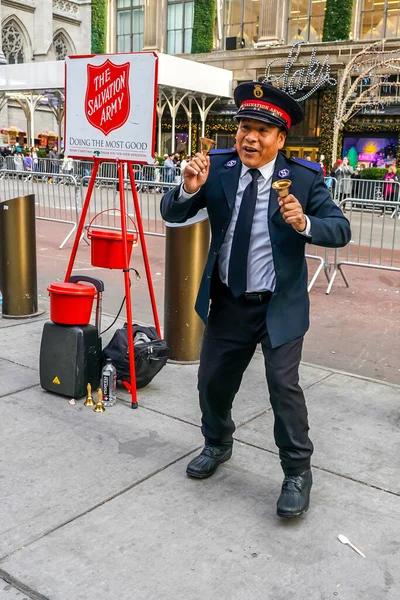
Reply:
x=356, y=178
x=54, y=166
x=390, y=187
x=321, y=164
x=35, y=159
x=18, y=161
x=67, y=168
x=343, y=177
x=28, y=163
x=169, y=167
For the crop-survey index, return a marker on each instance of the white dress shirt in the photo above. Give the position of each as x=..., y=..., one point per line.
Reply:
x=260, y=264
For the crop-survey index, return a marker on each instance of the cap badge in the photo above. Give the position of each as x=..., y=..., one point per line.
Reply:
x=284, y=173
x=258, y=93
x=230, y=163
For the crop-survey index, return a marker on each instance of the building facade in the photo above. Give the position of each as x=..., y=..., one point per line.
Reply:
x=248, y=35
x=40, y=30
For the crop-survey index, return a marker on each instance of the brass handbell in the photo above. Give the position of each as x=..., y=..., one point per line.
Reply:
x=89, y=398
x=99, y=406
x=282, y=187
x=206, y=145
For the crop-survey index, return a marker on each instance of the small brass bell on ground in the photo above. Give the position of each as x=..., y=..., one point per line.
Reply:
x=282, y=187
x=89, y=398
x=206, y=145
x=99, y=406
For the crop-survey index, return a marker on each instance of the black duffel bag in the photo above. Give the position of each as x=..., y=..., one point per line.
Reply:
x=150, y=356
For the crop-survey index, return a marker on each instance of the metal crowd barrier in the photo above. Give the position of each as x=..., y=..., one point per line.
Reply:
x=367, y=189
x=314, y=252
x=83, y=168
x=375, y=240
x=79, y=168
x=55, y=195
x=324, y=263
x=59, y=197
x=44, y=166
x=360, y=196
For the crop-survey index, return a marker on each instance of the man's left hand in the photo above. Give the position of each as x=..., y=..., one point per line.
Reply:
x=292, y=212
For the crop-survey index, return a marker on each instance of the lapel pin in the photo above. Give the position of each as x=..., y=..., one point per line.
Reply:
x=283, y=173
x=230, y=163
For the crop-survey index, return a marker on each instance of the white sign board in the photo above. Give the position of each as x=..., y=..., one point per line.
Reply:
x=110, y=106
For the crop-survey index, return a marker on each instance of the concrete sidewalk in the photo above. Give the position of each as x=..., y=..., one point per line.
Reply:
x=98, y=506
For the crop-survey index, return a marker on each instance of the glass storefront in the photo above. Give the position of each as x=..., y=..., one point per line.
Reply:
x=306, y=21
x=130, y=25
x=241, y=23
x=380, y=19
x=373, y=150
x=180, y=26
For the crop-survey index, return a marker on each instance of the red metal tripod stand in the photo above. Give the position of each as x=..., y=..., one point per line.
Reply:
x=132, y=386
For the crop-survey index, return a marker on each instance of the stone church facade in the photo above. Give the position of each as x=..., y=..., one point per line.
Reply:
x=41, y=30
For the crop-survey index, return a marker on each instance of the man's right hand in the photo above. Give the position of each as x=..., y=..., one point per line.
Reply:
x=196, y=173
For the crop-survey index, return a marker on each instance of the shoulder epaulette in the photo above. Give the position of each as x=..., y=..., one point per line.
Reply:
x=305, y=163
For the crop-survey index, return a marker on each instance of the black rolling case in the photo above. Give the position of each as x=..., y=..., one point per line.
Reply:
x=71, y=355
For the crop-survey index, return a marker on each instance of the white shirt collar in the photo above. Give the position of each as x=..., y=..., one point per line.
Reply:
x=266, y=170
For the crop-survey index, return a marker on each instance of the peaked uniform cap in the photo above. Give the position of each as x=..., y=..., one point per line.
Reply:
x=266, y=103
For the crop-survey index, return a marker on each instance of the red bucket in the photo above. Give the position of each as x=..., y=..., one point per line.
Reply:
x=107, y=248
x=71, y=303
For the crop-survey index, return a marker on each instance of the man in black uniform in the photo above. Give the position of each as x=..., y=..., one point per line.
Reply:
x=256, y=278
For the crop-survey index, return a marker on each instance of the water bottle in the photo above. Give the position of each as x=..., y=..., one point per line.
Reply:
x=109, y=383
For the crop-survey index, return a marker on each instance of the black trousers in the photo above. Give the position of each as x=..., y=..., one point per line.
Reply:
x=233, y=330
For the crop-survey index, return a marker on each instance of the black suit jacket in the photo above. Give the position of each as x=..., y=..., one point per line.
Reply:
x=288, y=309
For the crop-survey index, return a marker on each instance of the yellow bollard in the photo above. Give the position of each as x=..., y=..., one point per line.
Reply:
x=18, y=277
x=187, y=246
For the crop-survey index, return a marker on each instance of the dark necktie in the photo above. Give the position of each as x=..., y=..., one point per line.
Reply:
x=237, y=271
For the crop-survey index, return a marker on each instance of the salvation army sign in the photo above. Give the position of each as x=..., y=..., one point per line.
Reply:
x=111, y=106
x=107, y=102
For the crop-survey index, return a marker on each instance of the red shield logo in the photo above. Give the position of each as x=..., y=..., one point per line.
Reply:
x=107, y=101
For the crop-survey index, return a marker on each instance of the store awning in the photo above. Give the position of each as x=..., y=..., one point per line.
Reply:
x=173, y=72
x=183, y=85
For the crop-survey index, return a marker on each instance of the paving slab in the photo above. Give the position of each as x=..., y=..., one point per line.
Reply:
x=174, y=538
x=354, y=426
x=9, y=592
x=5, y=323
x=59, y=460
x=15, y=378
x=21, y=344
x=174, y=391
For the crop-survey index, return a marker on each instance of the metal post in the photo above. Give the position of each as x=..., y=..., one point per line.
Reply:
x=159, y=135
x=189, y=113
x=203, y=115
x=32, y=106
x=81, y=224
x=186, y=252
x=127, y=281
x=144, y=248
x=173, y=118
x=18, y=278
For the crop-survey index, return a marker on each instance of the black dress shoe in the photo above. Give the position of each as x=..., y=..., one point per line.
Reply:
x=206, y=463
x=295, y=495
